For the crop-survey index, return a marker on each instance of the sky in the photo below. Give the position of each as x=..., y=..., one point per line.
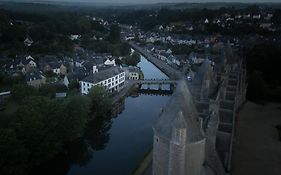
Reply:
x=157, y=1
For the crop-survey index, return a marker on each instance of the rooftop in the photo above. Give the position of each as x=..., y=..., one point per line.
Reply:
x=103, y=75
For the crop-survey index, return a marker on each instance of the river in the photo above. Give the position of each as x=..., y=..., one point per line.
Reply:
x=115, y=146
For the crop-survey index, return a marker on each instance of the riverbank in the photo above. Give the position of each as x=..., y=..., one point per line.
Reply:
x=129, y=86
x=257, y=148
x=171, y=72
x=145, y=166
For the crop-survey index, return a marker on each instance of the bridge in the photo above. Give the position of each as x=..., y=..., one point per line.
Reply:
x=171, y=72
x=155, y=81
x=158, y=82
x=157, y=92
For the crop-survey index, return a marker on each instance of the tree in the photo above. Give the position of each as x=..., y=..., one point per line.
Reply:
x=132, y=60
x=37, y=125
x=114, y=34
x=20, y=91
x=97, y=132
x=14, y=156
x=125, y=49
x=76, y=116
x=101, y=105
x=42, y=126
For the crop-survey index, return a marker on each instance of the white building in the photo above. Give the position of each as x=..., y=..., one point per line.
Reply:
x=28, y=41
x=112, y=79
x=110, y=62
x=75, y=37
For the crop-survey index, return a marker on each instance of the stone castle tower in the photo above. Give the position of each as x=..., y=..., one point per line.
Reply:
x=193, y=135
x=179, y=143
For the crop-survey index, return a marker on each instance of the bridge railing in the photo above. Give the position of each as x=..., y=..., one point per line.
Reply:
x=155, y=79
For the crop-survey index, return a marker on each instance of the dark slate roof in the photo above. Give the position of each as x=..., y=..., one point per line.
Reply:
x=182, y=57
x=180, y=112
x=88, y=65
x=103, y=75
x=103, y=67
x=75, y=76
x=99, y=60
x=33, y=75
x=54, y=64
x=204, y=72
x=165, y=54
x=134, y=69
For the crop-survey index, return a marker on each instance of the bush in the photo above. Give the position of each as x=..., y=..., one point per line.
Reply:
x=20, y=91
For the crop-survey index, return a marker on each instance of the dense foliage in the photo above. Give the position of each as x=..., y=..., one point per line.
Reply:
x=50, y=33
x=41, y=126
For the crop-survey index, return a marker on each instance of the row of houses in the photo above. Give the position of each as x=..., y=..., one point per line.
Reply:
x=178, y=60
x=87, y=69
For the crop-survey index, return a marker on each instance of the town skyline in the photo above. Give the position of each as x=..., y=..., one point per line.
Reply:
x=109, y=2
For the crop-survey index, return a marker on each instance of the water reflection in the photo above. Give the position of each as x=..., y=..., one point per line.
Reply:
x=121, y=142
x=80, y=151
x=118, y=108
x=114, y=145
x=150, y=71
x=96, y=133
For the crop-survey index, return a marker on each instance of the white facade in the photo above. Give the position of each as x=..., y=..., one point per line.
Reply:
x=109, y=62
x=56, y=70
x=95, y=69
x=114, y=83
x=74, y=37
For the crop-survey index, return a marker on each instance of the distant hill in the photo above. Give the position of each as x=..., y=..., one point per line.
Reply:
x=27, y=4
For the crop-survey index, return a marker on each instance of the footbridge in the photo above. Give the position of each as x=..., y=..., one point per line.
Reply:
x=156, y=81
x=156, y=84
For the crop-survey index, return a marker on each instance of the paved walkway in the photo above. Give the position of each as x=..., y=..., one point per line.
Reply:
x=257, y=150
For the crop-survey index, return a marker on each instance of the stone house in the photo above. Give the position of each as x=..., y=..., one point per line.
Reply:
x=35, y=78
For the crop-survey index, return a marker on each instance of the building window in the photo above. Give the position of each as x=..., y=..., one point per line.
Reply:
x=156, y=139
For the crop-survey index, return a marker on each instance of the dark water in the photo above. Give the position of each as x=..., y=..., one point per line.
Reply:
x=130, y=137
x=150, y=71
x=116, y=146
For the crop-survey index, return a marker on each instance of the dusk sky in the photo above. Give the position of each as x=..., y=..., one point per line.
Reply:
x=156, y=1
